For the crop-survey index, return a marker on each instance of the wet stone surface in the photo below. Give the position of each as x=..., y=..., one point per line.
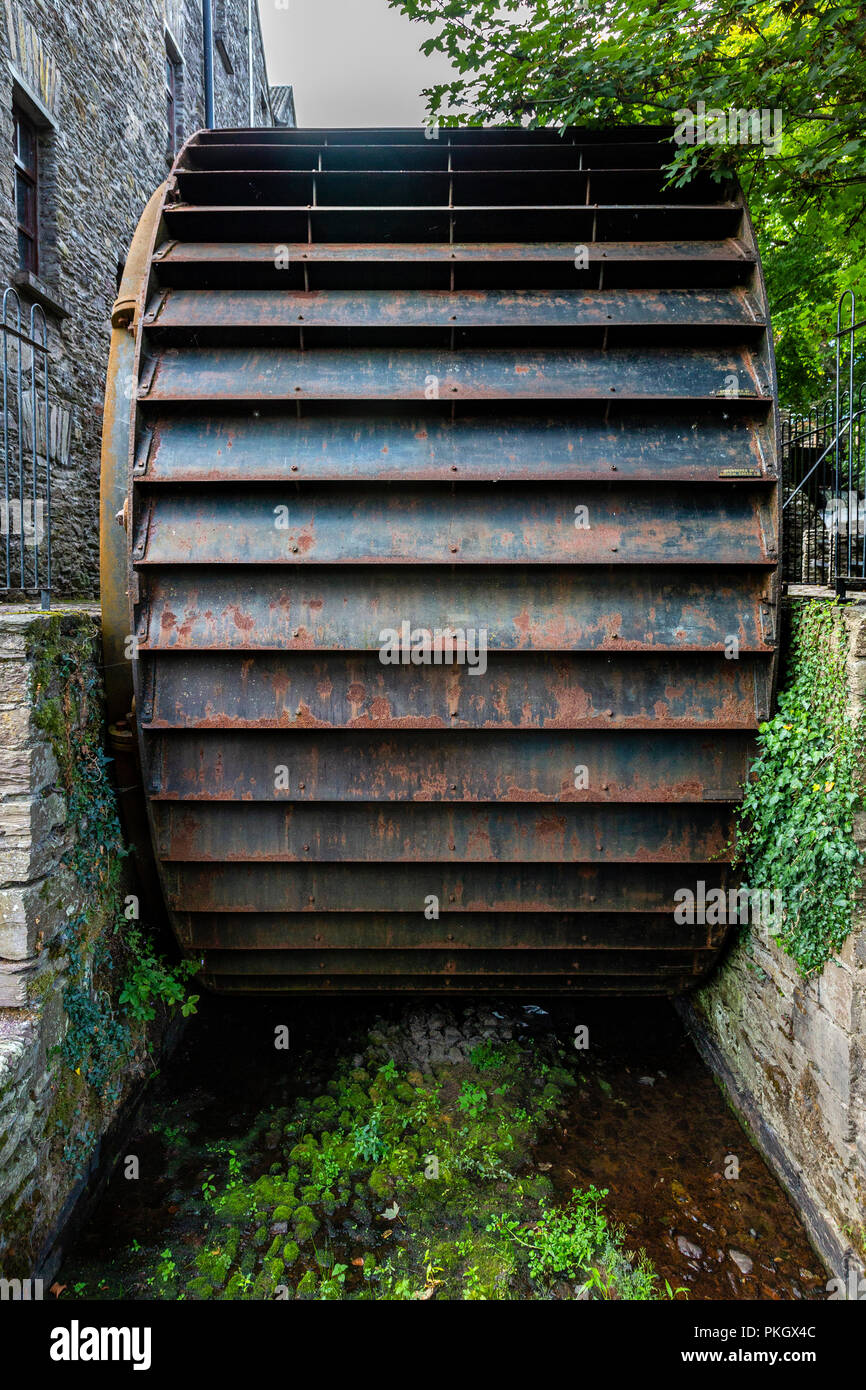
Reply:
x=428, y=1037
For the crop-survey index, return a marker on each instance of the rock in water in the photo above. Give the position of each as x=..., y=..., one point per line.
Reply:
x=687, y=1248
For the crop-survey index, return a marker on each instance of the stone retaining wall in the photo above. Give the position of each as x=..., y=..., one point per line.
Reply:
x=790, y=1054
x=52, y=1122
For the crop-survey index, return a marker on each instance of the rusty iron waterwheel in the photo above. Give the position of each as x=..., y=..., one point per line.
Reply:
x=502, y=382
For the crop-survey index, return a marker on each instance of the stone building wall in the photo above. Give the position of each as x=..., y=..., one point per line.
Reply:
x=92, y=77
x=791, y=1054
x=72, y=1062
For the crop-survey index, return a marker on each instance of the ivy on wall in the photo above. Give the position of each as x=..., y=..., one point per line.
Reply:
x=115, y=980
x=795, y=834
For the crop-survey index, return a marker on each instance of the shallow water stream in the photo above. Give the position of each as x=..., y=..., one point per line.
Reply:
x=659, y=1136
x=646, y=1121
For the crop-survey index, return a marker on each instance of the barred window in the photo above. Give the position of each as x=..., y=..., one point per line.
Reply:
x=26, y=154
x=172, y=68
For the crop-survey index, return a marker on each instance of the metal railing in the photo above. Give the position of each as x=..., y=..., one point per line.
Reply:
x=824, y=476
x=26, y=445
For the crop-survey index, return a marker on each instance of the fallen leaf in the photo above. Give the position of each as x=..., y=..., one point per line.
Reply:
x=359, y=1261
x=57, y=1289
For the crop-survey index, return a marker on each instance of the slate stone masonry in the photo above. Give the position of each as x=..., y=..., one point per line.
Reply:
x=53, y=1123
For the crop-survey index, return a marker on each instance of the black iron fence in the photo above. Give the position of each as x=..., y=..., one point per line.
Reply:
x=824, y=475
x=26, y=446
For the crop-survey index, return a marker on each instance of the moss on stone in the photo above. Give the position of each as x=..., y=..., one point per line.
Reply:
x=305, y=1224
x=214, y=1264
x=379, y=1182
x=234, y=1205
x=199, y=1288
x=236, y=1287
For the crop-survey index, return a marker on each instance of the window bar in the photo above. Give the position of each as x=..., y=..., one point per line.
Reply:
x=39, y=341
x=7, y=524
x=20, y=422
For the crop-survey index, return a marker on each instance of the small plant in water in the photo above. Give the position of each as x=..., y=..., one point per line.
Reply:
x=486, y=1056
x=368, y=1141
x=235, y=1170
x=564, y=1240
x=472, y=1099
x=604, y=1282
x=672, y=1293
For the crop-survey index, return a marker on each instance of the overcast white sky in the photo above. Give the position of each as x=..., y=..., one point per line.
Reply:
x=351, y=62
